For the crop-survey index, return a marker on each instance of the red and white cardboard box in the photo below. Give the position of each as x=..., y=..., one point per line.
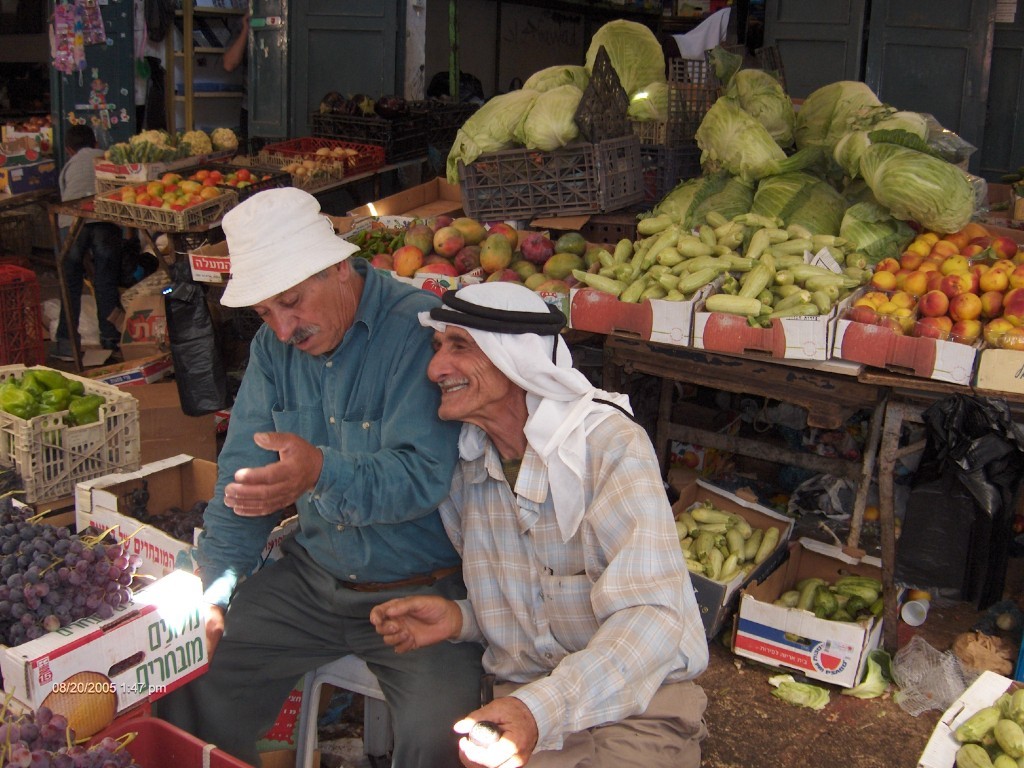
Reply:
x=940, y=751
x=657, y=320
x=795, y=338
x=210, y=263
x=132, y=172
x=148, y=648
x=831, y=651
x=881, y=347
x=179, y=481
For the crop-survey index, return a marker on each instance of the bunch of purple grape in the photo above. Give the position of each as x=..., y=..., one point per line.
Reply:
x=42, y=739
x=50, y=577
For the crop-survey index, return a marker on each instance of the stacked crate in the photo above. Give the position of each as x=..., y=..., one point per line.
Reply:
x=22, y=339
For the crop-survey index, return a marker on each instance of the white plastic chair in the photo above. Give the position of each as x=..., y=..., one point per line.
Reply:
x=350, y=673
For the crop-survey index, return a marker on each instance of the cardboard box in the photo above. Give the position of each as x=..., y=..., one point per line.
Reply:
x=794, y=338
x=148, y=648
x=135, y=172
x=210, y=263
x=665, y=322
x=881, y=347
x=134, y=372
x=164, y=428
x=425, y=201
x=145, y=322
x=940, y=751
x=831, y=651
x=178, y=481
x=1000, y=370
x=30, y=177
x=717, y=600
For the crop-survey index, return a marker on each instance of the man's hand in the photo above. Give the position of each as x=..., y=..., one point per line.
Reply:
x=518, y=737
x=214, y=628
x=416, y=622
x=260, y=491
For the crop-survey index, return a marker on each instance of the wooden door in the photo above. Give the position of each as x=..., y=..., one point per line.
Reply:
x=1002, y=146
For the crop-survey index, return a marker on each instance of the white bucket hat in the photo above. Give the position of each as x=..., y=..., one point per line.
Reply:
x=276, y=239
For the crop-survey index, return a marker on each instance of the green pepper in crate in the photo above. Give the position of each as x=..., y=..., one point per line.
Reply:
x=54, y=400
x=17, y=401
x=49, y=378
x=85, y=409
x=30, y=383
x=75, y=387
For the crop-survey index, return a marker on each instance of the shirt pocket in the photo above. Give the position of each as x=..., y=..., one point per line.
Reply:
x=362, y=435
x=568, y=610
x=304, y=421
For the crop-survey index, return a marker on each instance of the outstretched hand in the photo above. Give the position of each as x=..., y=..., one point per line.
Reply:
x=518, y=735
x=408, y=623
x=261, y=491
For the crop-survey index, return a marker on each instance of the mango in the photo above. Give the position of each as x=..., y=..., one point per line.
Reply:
x=448, y=241
x=523, y=268
x=495, y=254
x=473, y=232
x=561, y=265
x=421, y=236
x=571, y=242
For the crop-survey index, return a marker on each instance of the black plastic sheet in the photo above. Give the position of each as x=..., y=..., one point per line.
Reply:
x=958, y=526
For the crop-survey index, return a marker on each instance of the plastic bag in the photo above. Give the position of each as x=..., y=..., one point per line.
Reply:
x=198, y=368
x=959, y=519
x=927, y=678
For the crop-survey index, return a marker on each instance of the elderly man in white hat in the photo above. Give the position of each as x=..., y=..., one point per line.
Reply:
x=576, y=582
x=335, y=415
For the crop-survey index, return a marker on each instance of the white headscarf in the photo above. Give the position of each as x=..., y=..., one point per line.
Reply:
x=559, y=398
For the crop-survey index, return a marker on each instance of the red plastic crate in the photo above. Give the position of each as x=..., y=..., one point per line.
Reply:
x=158, y=744
x=21, y=317
x=367, y=158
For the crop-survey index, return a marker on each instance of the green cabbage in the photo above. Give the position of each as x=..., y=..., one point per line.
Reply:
x=724, y=64
x=876, y=678
x=800, y=694
x=649, y=103
x=848, y=151
x=497, y=125
x=560, y=74
x=550, y=124
x=732, y=140
x=634, y=52
x=689, y=203
x=913, y=122
x=873, y=231
x=832, y=110
x=800, y=198
x=918, y=187
x=763, y=97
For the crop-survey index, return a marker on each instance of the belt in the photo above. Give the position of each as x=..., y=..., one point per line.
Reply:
x=423, y=580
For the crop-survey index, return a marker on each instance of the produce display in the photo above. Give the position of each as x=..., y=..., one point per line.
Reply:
x=993, y=736
x=324, y=162
x=154, y=146
x=51, y=577
x=965, y=286
x=849, y=598
x=44, y=390
x=179, y=523
x=720, y=545
x=43, y=739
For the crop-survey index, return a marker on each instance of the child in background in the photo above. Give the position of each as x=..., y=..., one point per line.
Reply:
x=102, y=239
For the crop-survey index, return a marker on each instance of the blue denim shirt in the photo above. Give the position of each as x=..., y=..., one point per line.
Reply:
x=388, y=459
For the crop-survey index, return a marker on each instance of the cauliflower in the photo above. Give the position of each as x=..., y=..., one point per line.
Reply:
x=197, y=141
x=224, y=138
x=155, y=137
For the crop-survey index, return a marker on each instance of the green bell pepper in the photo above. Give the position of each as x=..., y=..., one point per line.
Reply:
x=17, y=401
x=85, y=409
x=54, y=400
x=30, y=383
x=75, y=387
x=49, y=378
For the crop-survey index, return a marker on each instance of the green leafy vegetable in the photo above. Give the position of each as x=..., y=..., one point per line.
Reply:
x=799, y=694
x=762, y=97
x=874, y=232
x=634, y=52
x=560, y=74
x=649, y=103
x=876, y=678
x=800, y=198
x=497, y=125
x=732, y=140
x=550, y=122
x=689, y=203
x=828, y=113
x=918, y=187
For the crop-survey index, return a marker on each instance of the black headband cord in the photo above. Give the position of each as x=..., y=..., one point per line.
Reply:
x=499, y=320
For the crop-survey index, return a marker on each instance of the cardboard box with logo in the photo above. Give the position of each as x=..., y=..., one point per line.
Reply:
x=179, y=481
x=94, y=669
x=31, y=177
x=832, y=651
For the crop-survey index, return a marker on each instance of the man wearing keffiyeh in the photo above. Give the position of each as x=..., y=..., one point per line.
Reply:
x=576, y=583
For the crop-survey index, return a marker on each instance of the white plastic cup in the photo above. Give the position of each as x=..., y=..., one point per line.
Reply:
x=914, y=612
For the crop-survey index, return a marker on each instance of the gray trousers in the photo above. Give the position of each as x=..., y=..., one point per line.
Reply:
x=291, y=617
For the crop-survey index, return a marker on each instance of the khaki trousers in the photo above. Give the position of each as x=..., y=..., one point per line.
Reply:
x=668, y=733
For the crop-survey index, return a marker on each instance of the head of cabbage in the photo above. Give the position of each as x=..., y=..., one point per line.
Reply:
x=498, y=124
x=829, y=112
x=634, y=52
x=762, y=97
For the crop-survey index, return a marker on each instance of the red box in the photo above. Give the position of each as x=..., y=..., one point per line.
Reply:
x=158, y=744
x=21, y=317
